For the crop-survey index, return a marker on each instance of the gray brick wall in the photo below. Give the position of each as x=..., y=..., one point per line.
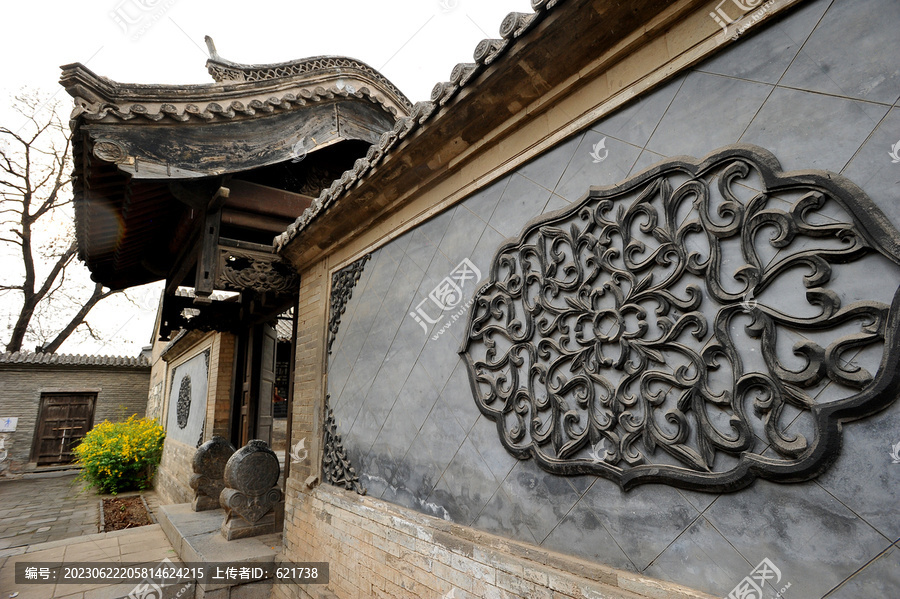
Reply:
x=120, y=393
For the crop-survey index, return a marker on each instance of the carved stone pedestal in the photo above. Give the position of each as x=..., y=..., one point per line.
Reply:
x=252, y=502
x=208, y=480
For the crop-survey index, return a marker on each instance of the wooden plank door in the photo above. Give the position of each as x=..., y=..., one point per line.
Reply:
x=245, y=423
x=265, y=410
x=65, y=418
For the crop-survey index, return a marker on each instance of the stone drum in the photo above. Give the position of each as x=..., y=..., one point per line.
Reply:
x=252, y=502
x=208, y=480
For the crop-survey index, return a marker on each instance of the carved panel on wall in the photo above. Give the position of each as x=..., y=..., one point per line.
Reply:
x=644, y=334
x=241, y=270
x=336, y=466
x=186, y=412
x=183, y=408
x=342, y=284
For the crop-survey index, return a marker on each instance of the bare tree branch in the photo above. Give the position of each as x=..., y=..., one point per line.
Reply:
x=79, y=317
x=35, y=182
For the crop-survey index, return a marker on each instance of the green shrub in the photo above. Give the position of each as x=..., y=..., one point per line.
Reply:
x=121, y=456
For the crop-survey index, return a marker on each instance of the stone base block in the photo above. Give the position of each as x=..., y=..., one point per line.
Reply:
x=202, y=503
x=197, y=537
x=235, y=527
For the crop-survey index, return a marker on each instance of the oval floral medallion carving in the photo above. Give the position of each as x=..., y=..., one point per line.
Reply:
x=109, y=150
x=640, y=334
x=183, y=408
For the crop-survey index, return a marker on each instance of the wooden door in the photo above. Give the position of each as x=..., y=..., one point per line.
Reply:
x=245, y=423
x=264, y=411
x=257, y=390
x=64, y=420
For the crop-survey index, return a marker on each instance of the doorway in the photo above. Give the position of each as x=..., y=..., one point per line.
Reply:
x=65, y=418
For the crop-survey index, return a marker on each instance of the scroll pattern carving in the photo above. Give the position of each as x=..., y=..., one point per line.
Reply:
x=608, y=339
x=335, y=463
x=240, y=271
x=342, y=284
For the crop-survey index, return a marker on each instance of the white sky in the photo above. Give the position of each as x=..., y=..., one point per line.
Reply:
x=414, y=43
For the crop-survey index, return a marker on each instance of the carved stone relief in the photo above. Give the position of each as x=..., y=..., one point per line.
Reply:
x=183, y=408
x=109, y=150
x=342, y=284
x=186, y=405
x=250, y=497
x=639, y=335
x=336, y=465
x=241, y=270
x=208, y=480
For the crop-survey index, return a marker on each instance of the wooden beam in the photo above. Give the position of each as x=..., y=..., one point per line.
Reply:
x=195, y=193
x=183, y=265
x=262, y=199
x=257, y=222
x=206, y=261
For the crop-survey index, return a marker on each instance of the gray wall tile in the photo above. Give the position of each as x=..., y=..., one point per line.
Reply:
x=546, y=169
x=708, y=112
x=637, y=121
x=465, y=486
x=814, y=539
x=875, y=495
x=502, y=516
x=584, y=170
x=873, y=169
x=811, y=131
x=852, y=53
x=767, y=54
x=522, y=200
x=643, y=521
x=403, y=400
x=544, y=500
x=879, y=578
x=702, y=559
x=582, y=533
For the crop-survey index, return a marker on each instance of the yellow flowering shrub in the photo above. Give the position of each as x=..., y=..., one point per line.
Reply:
x=120, y=456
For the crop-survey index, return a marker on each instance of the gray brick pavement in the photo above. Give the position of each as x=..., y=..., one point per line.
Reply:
x=49, y=507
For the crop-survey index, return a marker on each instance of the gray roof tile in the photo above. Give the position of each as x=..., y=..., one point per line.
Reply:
x=32, y=358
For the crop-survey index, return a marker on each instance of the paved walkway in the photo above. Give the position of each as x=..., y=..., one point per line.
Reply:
x=50, y=517
x=48, y=507
x=145, y=545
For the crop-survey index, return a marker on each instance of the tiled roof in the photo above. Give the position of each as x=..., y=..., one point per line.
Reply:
x=32, y=358
x=487, y=52
x=241, y=92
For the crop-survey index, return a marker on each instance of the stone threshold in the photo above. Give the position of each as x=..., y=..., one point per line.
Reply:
x=197, y=538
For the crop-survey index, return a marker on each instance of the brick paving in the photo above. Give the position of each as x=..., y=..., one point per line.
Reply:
x=145, y=545
x=51, y=517
x=50, y=507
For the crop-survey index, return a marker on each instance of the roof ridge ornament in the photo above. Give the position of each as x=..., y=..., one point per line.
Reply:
x=211, y=47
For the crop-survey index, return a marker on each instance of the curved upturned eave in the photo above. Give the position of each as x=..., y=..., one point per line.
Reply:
x=131, y=140
x=101, y=99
